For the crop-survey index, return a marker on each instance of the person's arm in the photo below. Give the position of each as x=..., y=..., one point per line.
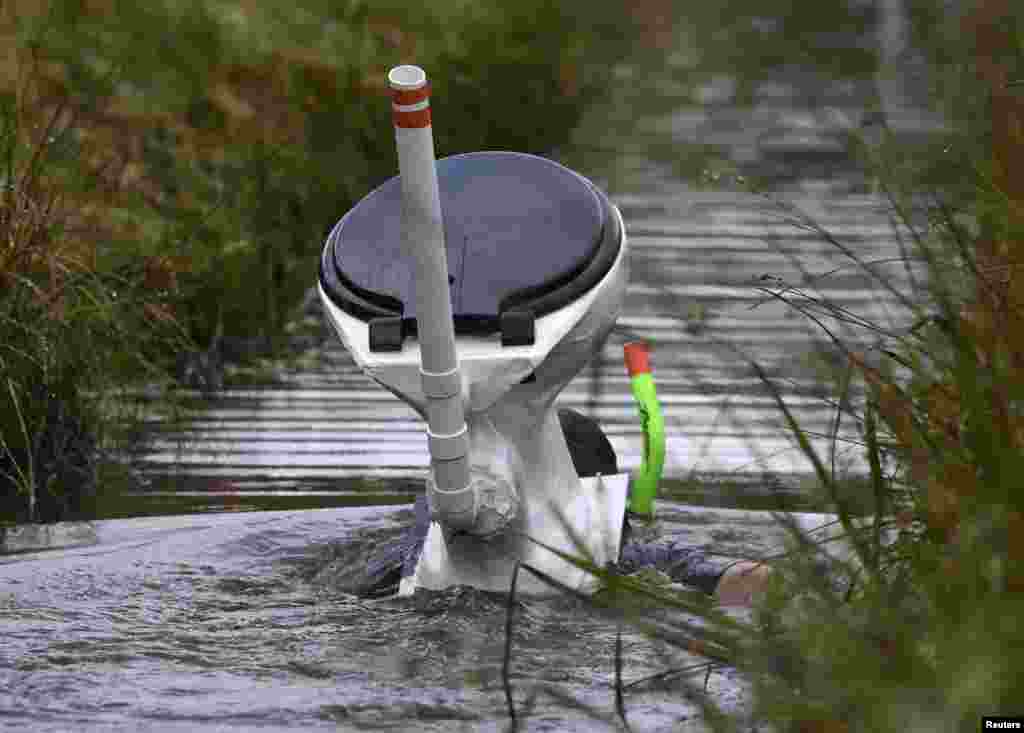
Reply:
x=732, y=582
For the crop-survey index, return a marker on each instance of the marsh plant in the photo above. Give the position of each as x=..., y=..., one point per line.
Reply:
x=81, y=307
x=911, y=619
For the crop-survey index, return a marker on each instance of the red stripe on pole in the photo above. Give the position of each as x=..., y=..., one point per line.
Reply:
x=405, y=97
x=411, y=96
x=419, y=118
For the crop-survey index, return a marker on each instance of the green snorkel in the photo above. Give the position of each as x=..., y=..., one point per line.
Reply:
x=643, y=485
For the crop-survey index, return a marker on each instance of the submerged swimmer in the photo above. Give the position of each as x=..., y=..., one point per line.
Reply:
x=732, y=582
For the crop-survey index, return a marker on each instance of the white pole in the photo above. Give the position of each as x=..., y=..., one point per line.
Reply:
x=451, y=497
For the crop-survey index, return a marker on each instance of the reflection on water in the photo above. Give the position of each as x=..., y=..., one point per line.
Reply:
x=242, y=621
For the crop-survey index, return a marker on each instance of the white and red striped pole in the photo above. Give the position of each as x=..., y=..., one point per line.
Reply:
x=452, y=499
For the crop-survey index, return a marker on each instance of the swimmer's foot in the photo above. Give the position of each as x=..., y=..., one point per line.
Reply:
x=741, y=584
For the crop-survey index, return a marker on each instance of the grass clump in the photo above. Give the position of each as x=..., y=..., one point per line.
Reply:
x=81, y=307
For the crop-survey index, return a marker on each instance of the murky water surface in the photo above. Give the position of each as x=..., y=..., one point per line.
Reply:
x=241, y=621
